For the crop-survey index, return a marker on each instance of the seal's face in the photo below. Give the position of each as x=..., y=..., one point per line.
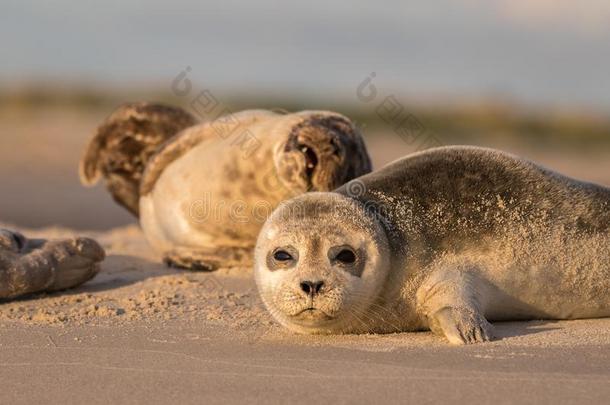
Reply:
x=320, y=266
x=321, y=152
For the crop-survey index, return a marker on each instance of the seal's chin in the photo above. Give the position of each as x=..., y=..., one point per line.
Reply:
x=312, y=321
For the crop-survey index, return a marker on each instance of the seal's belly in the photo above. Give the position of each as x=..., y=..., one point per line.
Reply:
x=210, y=197
x=187, y=213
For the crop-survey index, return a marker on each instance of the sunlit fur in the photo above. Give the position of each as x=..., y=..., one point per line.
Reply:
x=333, y=142
x=345, y=297
x=209, y=195
x=474, y=235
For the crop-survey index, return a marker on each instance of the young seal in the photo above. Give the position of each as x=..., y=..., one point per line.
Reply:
x=445, y=240
x=202, y=191
x=36, y=265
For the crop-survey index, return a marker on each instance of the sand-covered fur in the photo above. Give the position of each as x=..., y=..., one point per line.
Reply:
x=470, y=235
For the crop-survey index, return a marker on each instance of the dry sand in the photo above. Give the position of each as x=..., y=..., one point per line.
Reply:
x=142, y=333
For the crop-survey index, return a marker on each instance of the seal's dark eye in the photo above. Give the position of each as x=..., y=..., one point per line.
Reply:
x=346, y=256
x=282, y=256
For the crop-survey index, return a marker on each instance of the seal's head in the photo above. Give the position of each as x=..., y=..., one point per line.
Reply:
x=319, y=152
x=320, y=262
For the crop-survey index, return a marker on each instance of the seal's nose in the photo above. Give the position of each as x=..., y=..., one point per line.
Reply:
x=311, y=287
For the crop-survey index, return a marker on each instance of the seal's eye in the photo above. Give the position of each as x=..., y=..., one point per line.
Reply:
x=346, y=256
x=282, y=256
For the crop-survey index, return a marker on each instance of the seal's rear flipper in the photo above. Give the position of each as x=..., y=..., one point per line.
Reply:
x=80, y=264
x=41, y=266
x=123, y=144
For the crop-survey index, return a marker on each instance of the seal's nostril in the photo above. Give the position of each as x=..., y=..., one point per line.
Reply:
x=306, y=287
x=311, y=287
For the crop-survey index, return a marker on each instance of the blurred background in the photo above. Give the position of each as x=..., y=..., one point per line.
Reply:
x=526, y=76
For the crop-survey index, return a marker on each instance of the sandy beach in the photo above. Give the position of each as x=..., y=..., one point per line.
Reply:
x=528, y=77
x=142, y=333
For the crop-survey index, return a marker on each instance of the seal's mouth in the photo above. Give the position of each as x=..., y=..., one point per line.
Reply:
x=312, y=314
x=311, y=159
x=310, y=163
x=306, y=310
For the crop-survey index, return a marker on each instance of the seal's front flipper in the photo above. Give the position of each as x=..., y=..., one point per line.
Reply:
x=452, y=301
x=200, y=259
x=461, y=326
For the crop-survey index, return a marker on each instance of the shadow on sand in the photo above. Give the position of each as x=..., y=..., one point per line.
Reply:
x=117, y=271
x=505, y=330
x=122, y=270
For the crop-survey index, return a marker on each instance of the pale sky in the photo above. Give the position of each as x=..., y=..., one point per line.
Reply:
x=537, y=51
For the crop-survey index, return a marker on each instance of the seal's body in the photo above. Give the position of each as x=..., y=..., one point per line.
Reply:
x=445, y=239
x=204, y=193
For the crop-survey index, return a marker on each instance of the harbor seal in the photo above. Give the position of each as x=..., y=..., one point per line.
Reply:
x=202, y=191
x=448, y=240
x=37, y=265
